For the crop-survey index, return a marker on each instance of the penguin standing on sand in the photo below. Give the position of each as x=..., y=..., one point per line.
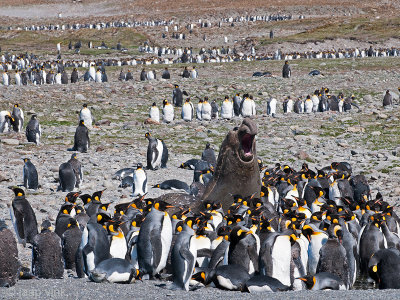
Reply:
x=46, y=254
x=6, y=121
x=33, y=130
x=247, y=106
x=187, y=111
x=81, y=138
x=64, y=77
x=74, y=75
x=6, y=78
x=86, y=115
x=286, y=71
x=154, y=240
x=70, y=241
x=157, y=153
x=177, y=96
x=271, y=107
x=236, y=104
x=193, y=73
x=30, y=175
x=154, y=113
x=67, y=178
x=23, y=217
x=77, y=167
x=168, y=112
x=387, y=99
x=9, y=264
x=206, y=110
x=166, y=74
x=208, y=155
x=183, y=256
x=140, y=181
x=227, y=109
x=384, y=268
x=18, y=116
x=198, y=110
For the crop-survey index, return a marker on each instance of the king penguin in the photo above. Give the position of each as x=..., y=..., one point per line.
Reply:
x=187, y=110
x=70, y=241
x=140, y=181
x=168, y=112
x=18, y=116
x=227, y=109
x=23, y=217
x=33, y=130
x=154, y=240
x=9, y=264
x=86, y=115
x=183, y=256
x=323, y=281
x=114, y=270
x=46, y=254
x=67, y=178
x=384, y=268
x=157, y=153
x=30, y=175
x=81, y=138
x=206, y=110
x=154, y=113
x=208, y=155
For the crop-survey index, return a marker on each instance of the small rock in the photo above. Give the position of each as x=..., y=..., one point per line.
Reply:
x=80, y=97
x=353, y=152
x=148, y=88
x=355, y=129
x=151, y=121
x=10, y=141
x=367, y=98
x=302, y=155
x=103, y=122
x=220, y=89
x=382, y=116
x=376, y=133
x=99, y=149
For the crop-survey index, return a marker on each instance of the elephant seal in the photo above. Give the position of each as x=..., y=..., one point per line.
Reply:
x=237, y=170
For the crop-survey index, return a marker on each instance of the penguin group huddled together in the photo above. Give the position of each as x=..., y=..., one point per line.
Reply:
x=206, y=110
x=298, y=229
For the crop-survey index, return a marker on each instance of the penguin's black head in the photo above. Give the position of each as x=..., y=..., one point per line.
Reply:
x=74, y=156
x=34, y=117
x=97, y=195
x=84, y=105
x=309, y=280
x=18, y=192
x=72, y=196
x=154, y=104
x=104, y=206
x=139, y=166
x=16, y=105
x=102, y=218
x=81, y=123
x=79, y=209
x=86, y=198
x=72, y=223
x=147, y=135
x=26, y=160
x=46, y=226
x=162, y=205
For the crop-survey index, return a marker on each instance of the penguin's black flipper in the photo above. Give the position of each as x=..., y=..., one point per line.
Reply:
x=79, y=264
x=156, y=246
x=299, y=265
x=204, y=253
x=164, y=157
x=188, y=256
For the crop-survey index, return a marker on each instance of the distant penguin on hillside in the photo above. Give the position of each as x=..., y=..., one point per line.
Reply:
x=227, y=111
x=206, y=110
x=33, y=130
x=168, y=112
x=81, y=138
x=47, y=259
x=157, y=153
x=30, y=175
x=86, y=115
x=154, y=113
x=187, y=110
x=140, y=181
x=18, y=116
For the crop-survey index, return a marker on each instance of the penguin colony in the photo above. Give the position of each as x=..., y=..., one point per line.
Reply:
x=130, y=24
x=305, y=229
x=29, y=69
